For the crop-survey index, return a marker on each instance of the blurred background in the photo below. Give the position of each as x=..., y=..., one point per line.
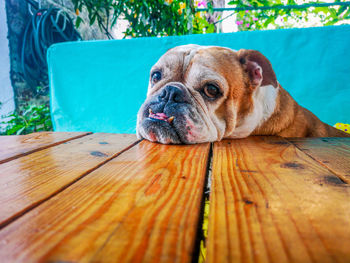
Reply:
x=29, y=27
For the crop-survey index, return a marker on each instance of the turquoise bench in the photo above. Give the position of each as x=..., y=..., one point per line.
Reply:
x=99, y=86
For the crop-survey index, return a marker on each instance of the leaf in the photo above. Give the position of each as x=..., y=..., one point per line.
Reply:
x=20, y=131
x=13, y=130
x=210, y=29
x=268, y=21
x=114, y=20
x=75, y=4
x=93, y=18
x=234, y=2
x=341, y=10
x=332, y=22
x=347, y=14
x=78, y=21
x=320, y=9
x=333, y=13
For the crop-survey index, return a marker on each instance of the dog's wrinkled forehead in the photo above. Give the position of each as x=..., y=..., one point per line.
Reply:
x=187, y=52
x=181, y=57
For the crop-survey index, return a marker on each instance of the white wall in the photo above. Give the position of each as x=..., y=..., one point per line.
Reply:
x=6, y=91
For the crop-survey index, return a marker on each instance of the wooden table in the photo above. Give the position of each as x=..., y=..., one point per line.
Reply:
x=80, y=197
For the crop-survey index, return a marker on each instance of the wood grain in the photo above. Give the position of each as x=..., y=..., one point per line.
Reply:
x=142, y=206
x=27, y=181
x=270, y=202
x=15, y=146
x=333, y=153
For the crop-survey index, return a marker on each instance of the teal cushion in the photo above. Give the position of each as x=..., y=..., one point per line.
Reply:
x=99, y=86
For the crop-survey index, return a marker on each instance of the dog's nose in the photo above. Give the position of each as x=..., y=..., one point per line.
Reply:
x=172, y=94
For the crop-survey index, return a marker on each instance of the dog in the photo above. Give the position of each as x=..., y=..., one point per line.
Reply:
x=202, y=94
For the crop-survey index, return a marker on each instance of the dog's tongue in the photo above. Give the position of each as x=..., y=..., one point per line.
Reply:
x=160, y=116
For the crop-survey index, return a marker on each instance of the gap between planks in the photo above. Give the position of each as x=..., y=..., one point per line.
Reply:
x=290, y=141
x=205, y=194
x=200, y=237
x=207, y=184
x=247, y=197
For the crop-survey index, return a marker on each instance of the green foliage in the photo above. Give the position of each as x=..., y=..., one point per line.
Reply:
x=179, y=17
x=146, y=17
x=286, y=18
x=33, y=119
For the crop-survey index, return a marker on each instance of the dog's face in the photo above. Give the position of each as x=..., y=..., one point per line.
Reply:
x=201, y=94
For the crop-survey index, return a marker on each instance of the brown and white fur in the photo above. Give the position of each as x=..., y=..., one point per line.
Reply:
x=206, y=93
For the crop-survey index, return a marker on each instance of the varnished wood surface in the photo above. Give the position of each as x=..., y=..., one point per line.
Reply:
x=27, y=181
x=110, y=198
x=142, y=206
x=12, y=147
x=271, y=202
x=333, y=153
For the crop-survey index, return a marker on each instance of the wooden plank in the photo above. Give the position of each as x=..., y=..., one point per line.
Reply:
x=141, y=206
x=270, y=202
x=31, y=179
x=15, y=146
x=333, y=153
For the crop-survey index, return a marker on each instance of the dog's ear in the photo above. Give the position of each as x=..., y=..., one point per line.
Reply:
x=258, y=67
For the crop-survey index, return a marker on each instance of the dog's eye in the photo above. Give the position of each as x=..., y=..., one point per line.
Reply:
x=156, y=76
x=211, y=91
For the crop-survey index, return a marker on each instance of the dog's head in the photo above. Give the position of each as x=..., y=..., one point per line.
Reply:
x=203, y=94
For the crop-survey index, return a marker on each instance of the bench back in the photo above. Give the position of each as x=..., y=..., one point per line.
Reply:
x=99, y=86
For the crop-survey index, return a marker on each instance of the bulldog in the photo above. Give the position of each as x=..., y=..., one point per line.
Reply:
x=206, y=93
